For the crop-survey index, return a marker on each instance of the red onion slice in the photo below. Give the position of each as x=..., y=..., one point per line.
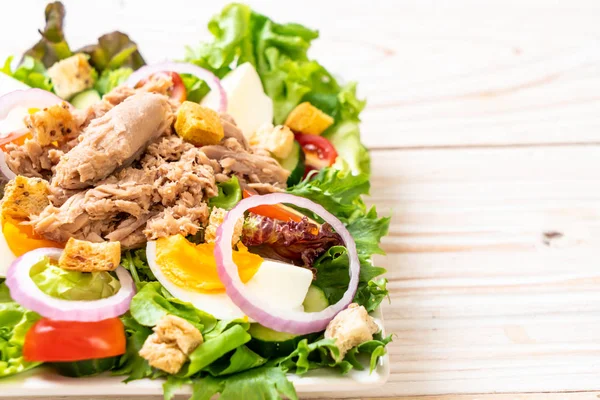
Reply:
x=213, y=82
x=25, y=292
x=4, y=169
x=267, y=314
x=30, y=98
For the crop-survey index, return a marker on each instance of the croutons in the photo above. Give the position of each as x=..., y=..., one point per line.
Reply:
x=198, y=125
x=172, y=329
x=350, y=328
x=51, y=124
x=217, y=216
x=71, y=76
x=306, y=118
x=24, y=197
x=278, y=140
x=83, y=256
x=173, y=340
x=164, y=356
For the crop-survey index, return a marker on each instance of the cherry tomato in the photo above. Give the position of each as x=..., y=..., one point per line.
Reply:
x=177, y=92
x=277, y=211
x=22, y=239
x=319, y=151
x=55, y=341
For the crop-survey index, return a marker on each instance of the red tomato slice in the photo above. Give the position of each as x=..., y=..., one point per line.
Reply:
x=277, y=211
x=55, y=341
x=319, y=151
x=177, y=92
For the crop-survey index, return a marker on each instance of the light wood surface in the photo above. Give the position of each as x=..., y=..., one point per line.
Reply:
x=484, y=120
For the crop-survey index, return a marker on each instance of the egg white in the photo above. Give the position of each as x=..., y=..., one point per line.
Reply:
x=275, y=283
x=247, y=102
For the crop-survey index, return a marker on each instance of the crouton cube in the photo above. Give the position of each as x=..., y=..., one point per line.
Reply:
x=173, y=329
x=164, y=356
x=350, y=328
x=217, y=216
x=24, y=197
x=278, y=140
x=308, y=119
x=83, y=256
x=71, y=76
x=52, y=124
x=198, y=125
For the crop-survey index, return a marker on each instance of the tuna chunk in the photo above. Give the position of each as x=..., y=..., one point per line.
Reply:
x=115, y=140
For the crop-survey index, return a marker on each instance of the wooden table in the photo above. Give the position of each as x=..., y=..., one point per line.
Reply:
x=484, y=125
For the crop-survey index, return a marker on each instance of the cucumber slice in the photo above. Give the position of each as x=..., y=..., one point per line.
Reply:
x=270, y=343
x=77, y=369
x=315, y=300
x=85, y=99
x=295, y=164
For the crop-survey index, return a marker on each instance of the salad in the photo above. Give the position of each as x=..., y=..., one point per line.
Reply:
x=199, y=221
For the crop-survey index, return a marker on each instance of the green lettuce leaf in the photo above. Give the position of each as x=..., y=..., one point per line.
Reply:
x=324, y=353
x=73, y=285
x=340, y=192
x=289, y=77
x=211, y=350
x=153, y=302
x=31, y=72
x=15, y=321
x=229, y=195
x=131, y=364
x=4, y=292
x=136, y=263
x=242, y=359
x=114, y=50
x=110, y=79
x=337, y=190
x=53, y=46
x=263, y=383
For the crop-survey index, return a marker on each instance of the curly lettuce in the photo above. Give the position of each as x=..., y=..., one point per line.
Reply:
x=279, y=52
x=73, y=285
x=15, y=321
x=30, y=71
x=52, y=47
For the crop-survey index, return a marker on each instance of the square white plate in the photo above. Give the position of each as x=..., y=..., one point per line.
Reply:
x=44, y=382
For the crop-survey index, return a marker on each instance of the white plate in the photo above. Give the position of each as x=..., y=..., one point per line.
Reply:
x=44, y=382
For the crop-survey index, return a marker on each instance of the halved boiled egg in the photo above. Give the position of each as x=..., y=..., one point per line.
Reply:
x=17, y=239
x=189, y=272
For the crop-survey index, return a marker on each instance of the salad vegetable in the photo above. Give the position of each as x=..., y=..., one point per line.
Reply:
x=207, y=214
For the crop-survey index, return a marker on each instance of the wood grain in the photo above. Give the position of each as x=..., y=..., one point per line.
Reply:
x=435, y=73
x=493, y=269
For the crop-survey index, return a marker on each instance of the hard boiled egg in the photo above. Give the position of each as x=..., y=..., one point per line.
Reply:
x=189, y=277
x=247, y=102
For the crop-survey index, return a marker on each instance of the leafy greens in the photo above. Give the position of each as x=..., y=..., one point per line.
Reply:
x=279, y=54
x=15, y=321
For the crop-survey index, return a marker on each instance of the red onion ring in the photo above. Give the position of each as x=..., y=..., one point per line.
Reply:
x=30, y=98
x=4, y=169
x=213, y=82
x=266, y=314
x=25, y=292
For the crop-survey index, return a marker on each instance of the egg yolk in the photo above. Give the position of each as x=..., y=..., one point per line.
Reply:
x=21, y=238
x=193, y=266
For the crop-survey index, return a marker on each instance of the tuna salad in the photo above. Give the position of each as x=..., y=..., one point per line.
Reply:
x=200, y=221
